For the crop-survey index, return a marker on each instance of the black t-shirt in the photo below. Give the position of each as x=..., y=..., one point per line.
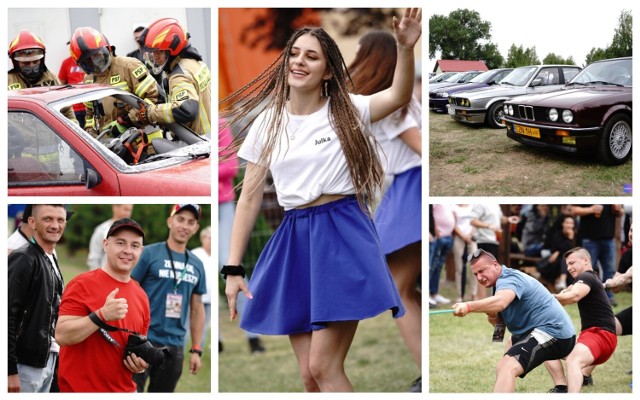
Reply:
x=599, y=228
x=625, y=261
x=595, y=309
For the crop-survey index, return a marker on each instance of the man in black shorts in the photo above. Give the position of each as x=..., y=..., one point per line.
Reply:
x=597, y=339
x=541, y=330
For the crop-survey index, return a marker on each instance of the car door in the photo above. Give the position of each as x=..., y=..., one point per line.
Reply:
x=47, y=158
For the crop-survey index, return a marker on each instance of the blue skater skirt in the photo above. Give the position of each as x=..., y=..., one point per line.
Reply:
x=323, y=264
x=398, y=218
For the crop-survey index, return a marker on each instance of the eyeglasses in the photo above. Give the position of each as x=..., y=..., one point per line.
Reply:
x=478, y=253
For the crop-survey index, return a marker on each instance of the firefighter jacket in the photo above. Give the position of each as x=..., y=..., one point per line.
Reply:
x=16, y=81
x=189, y=100
x=127, y=74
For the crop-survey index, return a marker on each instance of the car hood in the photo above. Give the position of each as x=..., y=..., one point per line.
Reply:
x=568, y=97
x=464, y=87
x=493, y=91
x=191, y=178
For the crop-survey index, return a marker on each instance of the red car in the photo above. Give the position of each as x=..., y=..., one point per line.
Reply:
x=49, y=155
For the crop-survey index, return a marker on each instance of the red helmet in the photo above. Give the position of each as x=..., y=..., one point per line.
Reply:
x=164, y=34
x=26, y=47
x=91, y=50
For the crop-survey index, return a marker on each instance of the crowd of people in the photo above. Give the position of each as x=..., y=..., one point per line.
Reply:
x=132, y=310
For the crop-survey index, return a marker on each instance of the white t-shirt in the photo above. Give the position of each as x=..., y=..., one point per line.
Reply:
x=209, y=273
x=97, y=258
x=463, y=218
x=309, y=160
x=397, y=157
x=16, y=240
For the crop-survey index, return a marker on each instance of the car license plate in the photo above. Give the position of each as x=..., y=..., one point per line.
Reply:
x=450, y=110
x=525, y=130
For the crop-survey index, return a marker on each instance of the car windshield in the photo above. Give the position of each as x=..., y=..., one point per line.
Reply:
x=482, y=77
x=125, y=144
x=119, y=136
x=454, y=78
x=519, y=76
x=615, y=72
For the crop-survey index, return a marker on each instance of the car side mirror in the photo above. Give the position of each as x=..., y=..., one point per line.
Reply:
x=91, y=178
x=537, y=82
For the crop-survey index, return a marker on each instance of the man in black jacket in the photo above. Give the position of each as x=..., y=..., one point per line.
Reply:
x=35, y=287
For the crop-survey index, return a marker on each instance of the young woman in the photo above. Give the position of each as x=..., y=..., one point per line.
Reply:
x=398, y=218
x=323, y=269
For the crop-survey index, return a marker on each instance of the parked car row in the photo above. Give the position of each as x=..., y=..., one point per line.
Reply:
x=560, y=107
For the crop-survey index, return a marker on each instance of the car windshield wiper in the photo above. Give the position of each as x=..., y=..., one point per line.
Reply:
x=507, y=83
x=575, y=83
x=190, y=155
x=603, y=83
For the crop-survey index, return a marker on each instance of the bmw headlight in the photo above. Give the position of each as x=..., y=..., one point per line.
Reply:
x=444, y=94
x=505, y=109
x=553, y=115
x=510, y=109
x=567, y=116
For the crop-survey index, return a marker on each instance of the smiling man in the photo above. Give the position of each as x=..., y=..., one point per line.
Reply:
x=35, y=288
x=174, y=280
x=541, y=330
x=92, y=360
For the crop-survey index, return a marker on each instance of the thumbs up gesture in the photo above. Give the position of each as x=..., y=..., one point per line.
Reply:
x=114, y=309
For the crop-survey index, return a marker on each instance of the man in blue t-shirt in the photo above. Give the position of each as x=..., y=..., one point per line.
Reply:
x=174, y=280
x=541, y=329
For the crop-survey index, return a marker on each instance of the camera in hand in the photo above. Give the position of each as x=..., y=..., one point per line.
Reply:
x=142, y=348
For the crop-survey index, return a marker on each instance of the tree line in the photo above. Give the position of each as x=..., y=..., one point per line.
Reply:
x=464, y=35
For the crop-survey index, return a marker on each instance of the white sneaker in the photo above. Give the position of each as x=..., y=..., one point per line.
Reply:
x=441, y=299
x=432, y=301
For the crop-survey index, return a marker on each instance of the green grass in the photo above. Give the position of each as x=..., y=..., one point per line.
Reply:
x=72, y=265
x=479, y=161
x=377, y=362
x=462, y=357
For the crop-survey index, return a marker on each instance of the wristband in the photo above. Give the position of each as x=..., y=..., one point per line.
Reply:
x=100, y=315
x=233, y=270
x=196, y=351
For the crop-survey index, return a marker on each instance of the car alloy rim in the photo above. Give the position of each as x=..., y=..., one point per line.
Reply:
x=620, y=139
x=498, y=115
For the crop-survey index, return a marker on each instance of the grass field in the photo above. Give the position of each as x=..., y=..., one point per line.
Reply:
x=72, y=265
x=377, y=362
x=462, y=357
x=480, y=161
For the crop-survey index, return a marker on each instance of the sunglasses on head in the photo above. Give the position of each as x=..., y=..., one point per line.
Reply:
x=478, y=253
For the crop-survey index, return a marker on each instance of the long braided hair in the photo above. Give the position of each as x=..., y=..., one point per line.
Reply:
x=270, y=90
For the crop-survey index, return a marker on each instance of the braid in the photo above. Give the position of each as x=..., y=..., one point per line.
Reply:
x=272, y=92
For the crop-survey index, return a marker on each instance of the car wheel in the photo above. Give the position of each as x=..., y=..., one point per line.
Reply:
x=615, y=144
x=495, y=115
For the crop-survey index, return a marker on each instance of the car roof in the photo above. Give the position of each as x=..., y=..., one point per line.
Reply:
x=49, y=94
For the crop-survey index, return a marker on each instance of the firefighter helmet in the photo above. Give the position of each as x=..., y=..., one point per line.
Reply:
x=91, y=50
x=163, y=40
x=27, y=47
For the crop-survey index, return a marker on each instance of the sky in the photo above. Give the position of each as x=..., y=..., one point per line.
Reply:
x=566, y=28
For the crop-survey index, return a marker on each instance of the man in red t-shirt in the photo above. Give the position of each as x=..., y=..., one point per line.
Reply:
x=89, y=360
x=70, y=73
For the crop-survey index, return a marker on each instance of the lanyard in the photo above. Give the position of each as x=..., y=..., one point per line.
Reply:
x=173, y=267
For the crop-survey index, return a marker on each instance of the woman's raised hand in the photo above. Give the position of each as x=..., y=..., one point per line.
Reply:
x=409, y=29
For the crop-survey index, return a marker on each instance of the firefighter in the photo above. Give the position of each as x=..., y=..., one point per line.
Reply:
x=166, y=46
x=93, y=54
x=27, y=53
